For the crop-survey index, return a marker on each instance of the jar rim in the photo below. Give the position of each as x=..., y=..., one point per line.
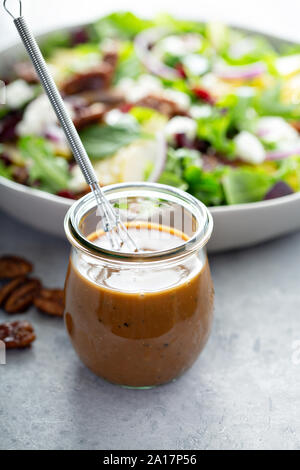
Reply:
x=197, y=241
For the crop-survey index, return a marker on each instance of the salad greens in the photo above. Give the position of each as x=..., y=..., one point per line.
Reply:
x=268, y=103
x=124, y=25
x=5, y=171
x=183, y=170
x=226, y=102
x=51, y=172
x=246, y=185
x=55, y=41
x=128, y=63
x=103, y=141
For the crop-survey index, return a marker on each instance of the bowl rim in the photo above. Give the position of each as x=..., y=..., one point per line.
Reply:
x=213, y=209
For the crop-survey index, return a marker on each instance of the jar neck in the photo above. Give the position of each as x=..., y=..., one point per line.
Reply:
x=84, y=209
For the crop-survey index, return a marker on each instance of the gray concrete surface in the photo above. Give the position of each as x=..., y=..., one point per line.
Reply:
x=242, y=393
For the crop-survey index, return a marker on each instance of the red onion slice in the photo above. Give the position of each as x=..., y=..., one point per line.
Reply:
x=246, y=72
x=279, y=189
x=143, y=43
x=281, y=154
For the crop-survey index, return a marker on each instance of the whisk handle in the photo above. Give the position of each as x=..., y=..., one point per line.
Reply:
x=56, y=100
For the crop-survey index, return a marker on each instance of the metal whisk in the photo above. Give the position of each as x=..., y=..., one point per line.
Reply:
x=112, y=225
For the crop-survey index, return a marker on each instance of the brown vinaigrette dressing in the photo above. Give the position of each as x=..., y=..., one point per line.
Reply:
x=142, y=326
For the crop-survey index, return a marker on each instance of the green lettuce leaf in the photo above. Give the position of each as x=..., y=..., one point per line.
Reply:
x=172, y=179
x=245, y=185
x=269, y=103
x=178, y=26
x=215, y=129
x=3, y=111
x=128, y=66
x=4, y=170
x=240, y=111
x=123, y=25
x=103, y=141
x=43, y=165
x=54, y=41
x=205, y=186
x=183, y=170
x=261, y=50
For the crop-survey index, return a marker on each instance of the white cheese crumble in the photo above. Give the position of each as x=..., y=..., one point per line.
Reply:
x=115, y=117
x=196, y=64
x=18, y=93
x=276, y=129
x=38, y=116
x=182, y=99
x=249, y=148
x=135, y=90
x=180, y=125
x=239, y=49
x=200, y=112
x=288, y=65
x=179, y=45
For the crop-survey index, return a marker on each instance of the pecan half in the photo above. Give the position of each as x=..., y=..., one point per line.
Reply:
x=50, y=301
x=6, y=290
x=14, y=266
x=20, y=174
x=108, y=97
x=296, y=125
x=97, y=78
x=18, y=334
x=162, y=105
x=89, y=115
x=22, y=297
x=111, y=57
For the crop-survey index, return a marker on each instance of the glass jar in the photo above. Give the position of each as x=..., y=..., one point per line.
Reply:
x=140, y=319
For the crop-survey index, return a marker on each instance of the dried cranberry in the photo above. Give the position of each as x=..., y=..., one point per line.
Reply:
x=8, y=126
x=80, y=36
x=201, y=145
x=126, y=107
x=6, y=159
x=204, y=95
x=180, y=69
x=181, y=141
x=66, y=193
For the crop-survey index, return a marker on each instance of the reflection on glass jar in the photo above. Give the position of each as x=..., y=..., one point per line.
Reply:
x=140, y=319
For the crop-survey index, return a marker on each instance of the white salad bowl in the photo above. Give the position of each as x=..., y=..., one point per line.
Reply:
x=235, y=226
